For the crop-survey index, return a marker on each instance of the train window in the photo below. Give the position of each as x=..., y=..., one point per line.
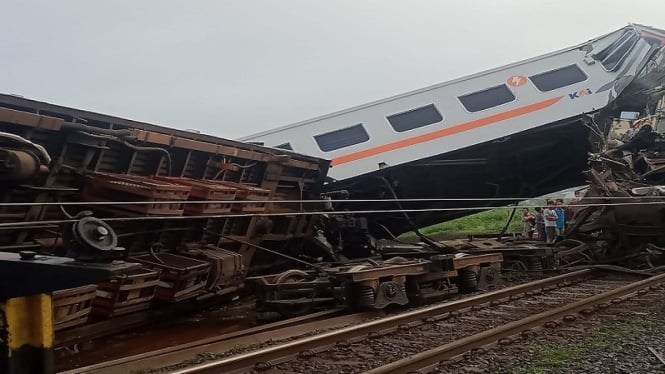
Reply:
x=286, y=146
x=415, y=118
x=557, y=78
x=342, y=138
x=485, y=99
x=612, y=56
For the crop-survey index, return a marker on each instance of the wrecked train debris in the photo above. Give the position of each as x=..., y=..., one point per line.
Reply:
x=623, y=209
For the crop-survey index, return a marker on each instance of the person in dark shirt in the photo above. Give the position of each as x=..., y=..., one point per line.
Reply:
x=540, y=224
x=643, y=139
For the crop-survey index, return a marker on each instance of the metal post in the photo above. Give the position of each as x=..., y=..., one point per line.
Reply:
x=26, y=335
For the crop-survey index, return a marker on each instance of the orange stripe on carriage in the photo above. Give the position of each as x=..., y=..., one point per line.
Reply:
x=445, y=132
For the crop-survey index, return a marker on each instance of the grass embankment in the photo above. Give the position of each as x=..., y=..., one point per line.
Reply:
x=488, y=222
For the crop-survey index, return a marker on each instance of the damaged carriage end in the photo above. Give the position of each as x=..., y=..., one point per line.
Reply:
x=623, y=209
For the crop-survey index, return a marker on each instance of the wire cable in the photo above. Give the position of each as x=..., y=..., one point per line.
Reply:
x=349, y=201
x=313, y=213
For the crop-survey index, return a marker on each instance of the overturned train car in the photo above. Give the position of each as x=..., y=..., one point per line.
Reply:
x=201, y=215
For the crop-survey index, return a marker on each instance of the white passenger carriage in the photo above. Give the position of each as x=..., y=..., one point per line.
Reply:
x=476, y=109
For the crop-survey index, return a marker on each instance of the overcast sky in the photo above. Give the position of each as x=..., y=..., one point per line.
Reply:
x=233, y=68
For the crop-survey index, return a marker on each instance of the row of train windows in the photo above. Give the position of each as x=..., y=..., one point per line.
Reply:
x=429, y=114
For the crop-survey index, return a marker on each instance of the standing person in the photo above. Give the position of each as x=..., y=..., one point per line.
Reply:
x=540, y=224
x=550, y=221
x=528, y=223
x=560, y=217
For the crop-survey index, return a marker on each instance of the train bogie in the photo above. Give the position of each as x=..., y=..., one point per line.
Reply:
x=293, y=292
x=377, y=284
x=369, y=286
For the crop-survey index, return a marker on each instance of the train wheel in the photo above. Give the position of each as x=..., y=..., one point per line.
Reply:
x=358, y=268
x=396, y=261
x=291, y=276
x=293, y=310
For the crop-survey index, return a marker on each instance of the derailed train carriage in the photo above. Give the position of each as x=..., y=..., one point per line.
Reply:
x=200, y=214
x=516, y=131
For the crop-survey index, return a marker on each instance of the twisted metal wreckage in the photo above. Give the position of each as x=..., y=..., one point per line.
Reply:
x=621, y=218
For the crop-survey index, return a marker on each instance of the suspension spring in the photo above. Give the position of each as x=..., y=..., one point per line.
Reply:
x=469, y=280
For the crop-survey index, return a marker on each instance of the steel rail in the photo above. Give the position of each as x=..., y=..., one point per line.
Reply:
x=284, y=351
x=156, y=354
x=414, y=363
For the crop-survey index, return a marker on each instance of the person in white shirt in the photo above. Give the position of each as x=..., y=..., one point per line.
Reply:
x=550, y=221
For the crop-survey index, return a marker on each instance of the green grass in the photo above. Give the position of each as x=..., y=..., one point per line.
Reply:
x=549, y=358
x=487, y=222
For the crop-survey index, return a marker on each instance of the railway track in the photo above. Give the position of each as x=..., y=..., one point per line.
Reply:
x=418, y=339
x=295, y=326
x=320, y=342
x=428, y=361
x=173, y=356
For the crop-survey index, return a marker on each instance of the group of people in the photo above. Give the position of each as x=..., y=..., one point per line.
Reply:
x=547, y=223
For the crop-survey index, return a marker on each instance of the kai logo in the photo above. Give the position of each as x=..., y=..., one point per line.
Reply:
x=580, y=93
